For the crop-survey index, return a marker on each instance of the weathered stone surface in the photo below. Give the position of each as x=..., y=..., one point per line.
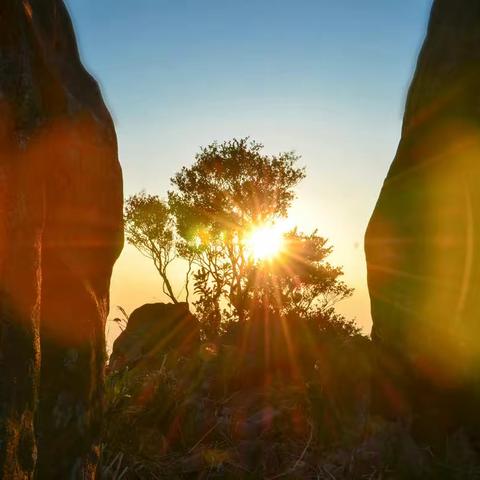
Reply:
x=152, y=330
x=60, y=233
x=423, y=243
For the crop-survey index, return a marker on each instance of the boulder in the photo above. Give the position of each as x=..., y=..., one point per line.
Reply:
x=153, y=330
x=422, y=242
x=60, y=233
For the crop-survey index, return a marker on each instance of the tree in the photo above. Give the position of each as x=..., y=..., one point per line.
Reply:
x=231, y=188
x=150, y=228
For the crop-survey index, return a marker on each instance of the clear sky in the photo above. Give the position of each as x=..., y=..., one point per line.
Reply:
x=327, y=78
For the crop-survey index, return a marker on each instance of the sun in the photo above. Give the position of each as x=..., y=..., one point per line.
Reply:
x=264, y=242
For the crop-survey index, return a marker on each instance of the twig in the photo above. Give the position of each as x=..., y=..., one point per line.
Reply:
x=125, y=470
x=225, y=401
x=117, y=471
x=112, y=462
x=300, y=458
x=307, y=446
x=331, y=475
x=203, y=437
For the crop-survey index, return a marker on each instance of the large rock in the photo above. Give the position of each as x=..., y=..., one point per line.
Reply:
x=153, y=330
x=60, y=233
x=423, y=243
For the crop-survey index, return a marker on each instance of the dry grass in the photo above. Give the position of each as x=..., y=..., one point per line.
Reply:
x=180, y=418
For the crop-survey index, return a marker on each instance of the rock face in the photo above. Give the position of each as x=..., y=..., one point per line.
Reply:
x=423, y=243
x=60, y=233
x=152, y=330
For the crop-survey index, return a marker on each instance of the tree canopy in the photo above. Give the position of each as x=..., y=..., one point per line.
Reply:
x=232, y=186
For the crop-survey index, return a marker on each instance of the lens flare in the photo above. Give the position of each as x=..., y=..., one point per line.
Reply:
x=264, y=242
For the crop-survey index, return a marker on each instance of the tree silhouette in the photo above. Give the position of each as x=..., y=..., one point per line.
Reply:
x=231, y=188
x=150, y=228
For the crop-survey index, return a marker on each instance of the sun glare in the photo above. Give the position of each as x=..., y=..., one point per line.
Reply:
x=265, y=242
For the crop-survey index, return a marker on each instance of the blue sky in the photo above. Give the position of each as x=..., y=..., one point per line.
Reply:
x=325, y=78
